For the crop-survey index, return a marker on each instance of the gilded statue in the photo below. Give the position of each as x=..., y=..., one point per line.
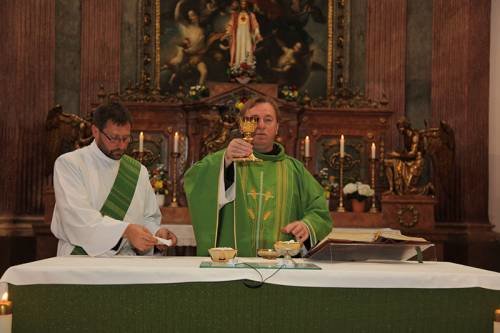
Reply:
x=223, y=127
x=65, y=132
x=433, y=147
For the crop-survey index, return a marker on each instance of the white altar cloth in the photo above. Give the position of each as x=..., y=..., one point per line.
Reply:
x=162, y=270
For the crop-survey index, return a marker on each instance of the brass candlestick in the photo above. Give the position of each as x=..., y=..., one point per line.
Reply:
x=144, y=157
x=373, y=208
x=138, y=155
x=341, y=208
x=175, y=157
x=306, y=161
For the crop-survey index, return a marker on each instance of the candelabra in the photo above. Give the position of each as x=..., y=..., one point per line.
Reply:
x=341, y=208
x=175, y=157
x=373, y=208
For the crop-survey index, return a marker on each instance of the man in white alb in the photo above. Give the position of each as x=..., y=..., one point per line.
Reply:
x=105, y=204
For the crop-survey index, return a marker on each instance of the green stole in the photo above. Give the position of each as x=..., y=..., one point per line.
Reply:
x=121, y=194
x=269, y=195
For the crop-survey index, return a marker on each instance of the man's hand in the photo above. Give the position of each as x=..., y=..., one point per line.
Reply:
x=297, y=229
x=237, y=148
x=140, y=237
x=165, y=234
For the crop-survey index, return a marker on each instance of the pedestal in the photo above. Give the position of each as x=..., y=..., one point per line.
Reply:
x=409, y=211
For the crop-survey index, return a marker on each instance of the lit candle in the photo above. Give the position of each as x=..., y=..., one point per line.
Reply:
x=342, y=141
x=141, y=142
x=373, y=150
x=496, y=322
x=176, y=142
x=307, y=148
x=5, y=314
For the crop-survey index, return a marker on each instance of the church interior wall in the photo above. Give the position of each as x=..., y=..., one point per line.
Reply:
x=66, y=61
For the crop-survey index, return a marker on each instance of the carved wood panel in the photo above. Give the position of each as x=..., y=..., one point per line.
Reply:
x=360, y=127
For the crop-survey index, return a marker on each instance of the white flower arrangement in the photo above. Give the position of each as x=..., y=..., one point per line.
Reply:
x=358, y=191
x=198, y=91
x=243, y=70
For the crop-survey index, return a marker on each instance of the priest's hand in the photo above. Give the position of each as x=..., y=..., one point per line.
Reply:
x=298, y=229
x=165, y=234
x=140, y=237
x=237, y=148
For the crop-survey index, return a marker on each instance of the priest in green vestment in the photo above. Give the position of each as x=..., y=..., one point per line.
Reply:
x=251, y=205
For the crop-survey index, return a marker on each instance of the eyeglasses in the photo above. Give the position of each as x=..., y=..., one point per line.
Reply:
x=117, y=139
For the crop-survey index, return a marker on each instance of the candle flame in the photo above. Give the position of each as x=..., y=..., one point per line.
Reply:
x=5, y=296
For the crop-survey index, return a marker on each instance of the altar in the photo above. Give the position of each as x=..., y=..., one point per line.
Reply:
x=158, y=294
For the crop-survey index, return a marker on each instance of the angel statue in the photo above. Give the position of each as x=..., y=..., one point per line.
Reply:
x=65, y=132
x=223, y=126
x=431, y=145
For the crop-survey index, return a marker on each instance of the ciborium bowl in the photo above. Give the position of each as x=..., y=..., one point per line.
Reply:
x=269, y=254
x=287, y=249
x=222, y=254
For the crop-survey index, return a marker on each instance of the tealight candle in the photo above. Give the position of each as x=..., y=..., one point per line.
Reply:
x=141, y=142
x=5, y=314
x=496, y=322
x=307, y=147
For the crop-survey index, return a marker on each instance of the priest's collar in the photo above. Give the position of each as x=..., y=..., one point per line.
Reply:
x=276, y=154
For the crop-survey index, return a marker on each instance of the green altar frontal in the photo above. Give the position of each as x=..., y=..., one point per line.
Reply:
x=234, y=307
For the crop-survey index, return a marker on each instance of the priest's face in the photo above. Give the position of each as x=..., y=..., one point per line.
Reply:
x=113, y=139
x=267, y=128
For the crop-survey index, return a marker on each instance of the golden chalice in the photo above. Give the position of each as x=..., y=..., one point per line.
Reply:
x=248, y=125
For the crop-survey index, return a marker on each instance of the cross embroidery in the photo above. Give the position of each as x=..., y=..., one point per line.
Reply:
x=260, y=195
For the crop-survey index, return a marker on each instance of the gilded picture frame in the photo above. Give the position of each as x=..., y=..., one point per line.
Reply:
x=304, y=43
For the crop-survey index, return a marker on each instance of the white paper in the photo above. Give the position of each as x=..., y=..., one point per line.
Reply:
x=167, y=242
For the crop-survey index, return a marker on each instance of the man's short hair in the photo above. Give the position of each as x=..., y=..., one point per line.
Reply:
x=260, y=100
x=113, y=111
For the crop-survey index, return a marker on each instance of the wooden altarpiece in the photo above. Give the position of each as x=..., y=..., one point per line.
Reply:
x=206, y=124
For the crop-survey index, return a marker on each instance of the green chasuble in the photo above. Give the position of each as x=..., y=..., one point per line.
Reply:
x=269, y=195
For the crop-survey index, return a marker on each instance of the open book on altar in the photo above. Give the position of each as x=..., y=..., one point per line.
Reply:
x=358, y=244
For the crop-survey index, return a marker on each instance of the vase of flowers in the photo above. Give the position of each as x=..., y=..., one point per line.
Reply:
x=159, y=182
x=357, y=193
x=289, y=93
x=243, y=73
x=243, y=79
x=198, y=92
